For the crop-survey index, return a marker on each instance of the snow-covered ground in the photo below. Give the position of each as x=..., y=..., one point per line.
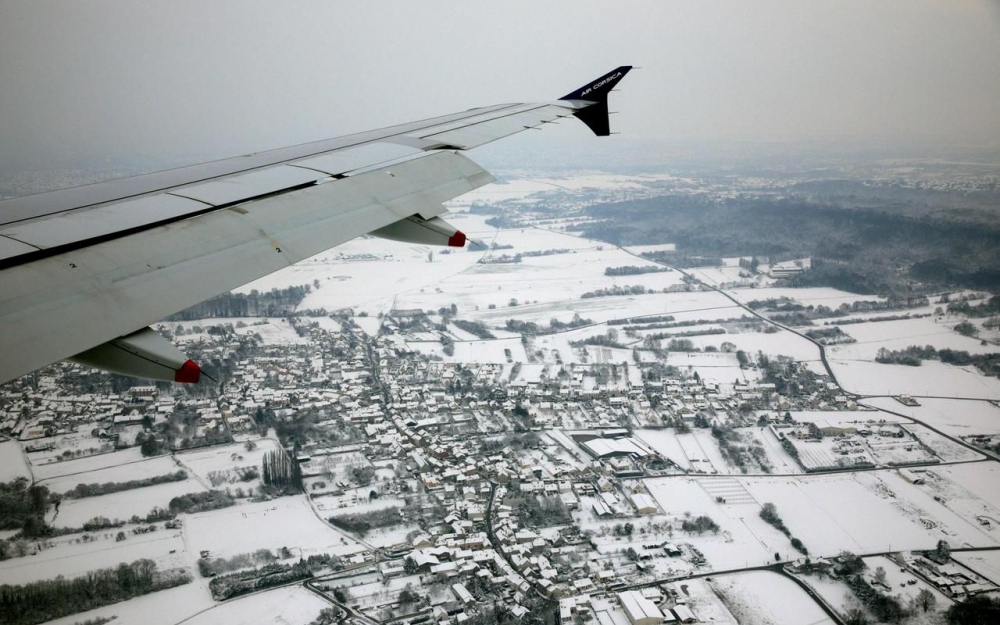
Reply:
x=274, y=332
x=986, y=563
x=48, y=470
x=132, y=470
x=71, y=557
x=290, y=605
x=167, y=607
x=12, y=462
x=932, y=378
x=122, y=505
x=284, y=522
x=957, y=417
x=221, y=462
x=766, y=598
x=898, y=335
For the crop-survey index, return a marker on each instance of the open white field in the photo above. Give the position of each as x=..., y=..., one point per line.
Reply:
x=946, y=449
x=864, y=513
x=957, y=417
x=167, y=607
x=138, y=470
x=719, y=367
x=12, y=462
x=744, y=538
x=290, y=605
x=284, y=522
x=817, y=296
x=666, y=443
x=217, y=466
x=836, y=593
x=781, y=462
x=479, y=351
x=75, y=443
x=897, y=335
x=274, y=332
x=366, y=273
x=932, y=378
x=986, y=563
x=975, y=490
x=43, y=471
x=782, y=343
x=763, y=597
x=849, y=418
x=122, y=505
x=71, y=558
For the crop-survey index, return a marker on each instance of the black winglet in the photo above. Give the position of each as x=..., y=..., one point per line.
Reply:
x=596, y=115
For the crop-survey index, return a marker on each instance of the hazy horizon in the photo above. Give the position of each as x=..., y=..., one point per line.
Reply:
x=99, y=81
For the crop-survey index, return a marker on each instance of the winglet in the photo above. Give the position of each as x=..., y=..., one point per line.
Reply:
x=595, y=115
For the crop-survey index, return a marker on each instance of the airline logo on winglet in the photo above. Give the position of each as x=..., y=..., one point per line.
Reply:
x=598, y=90
x=599, y=84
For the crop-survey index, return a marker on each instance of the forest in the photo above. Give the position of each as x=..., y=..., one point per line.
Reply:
x=878, y=247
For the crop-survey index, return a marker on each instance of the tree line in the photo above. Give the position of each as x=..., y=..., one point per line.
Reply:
x=273, y=303
x=81, y=491
x=42, y=601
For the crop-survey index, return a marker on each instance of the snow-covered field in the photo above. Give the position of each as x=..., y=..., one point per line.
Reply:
x=274, y=332
x=122, y=505
x=957, y=417
x=167, y=607
x=284, y=522
x=932, y=378
x=71, y=557
x=986, y=563
x=765, y=598
x=82, y=465
x=815, y=296
x=666, y=443
x=290, y=605
x=12, y=462
x=223, y=460
x=865, y=512
x=133, y=470
x=744, y=538
x=897, y=335
x=836, y=593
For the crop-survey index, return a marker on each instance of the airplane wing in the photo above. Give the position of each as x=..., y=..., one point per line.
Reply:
x=84, y=271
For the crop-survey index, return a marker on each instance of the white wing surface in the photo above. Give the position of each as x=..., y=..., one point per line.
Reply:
x=84, y=271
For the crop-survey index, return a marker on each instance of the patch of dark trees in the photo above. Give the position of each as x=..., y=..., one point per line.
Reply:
x=854, y=248
x=633, y=270
x=273, y=303
x=42, y=601
x=94, y=490
x=270, y=575
x=476, y=328
x=913, y=355
x=363, y=522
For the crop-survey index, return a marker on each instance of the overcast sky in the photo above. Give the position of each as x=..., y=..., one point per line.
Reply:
x=114, y=78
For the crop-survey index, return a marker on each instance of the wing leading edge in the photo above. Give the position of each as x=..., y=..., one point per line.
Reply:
x=94, y=265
